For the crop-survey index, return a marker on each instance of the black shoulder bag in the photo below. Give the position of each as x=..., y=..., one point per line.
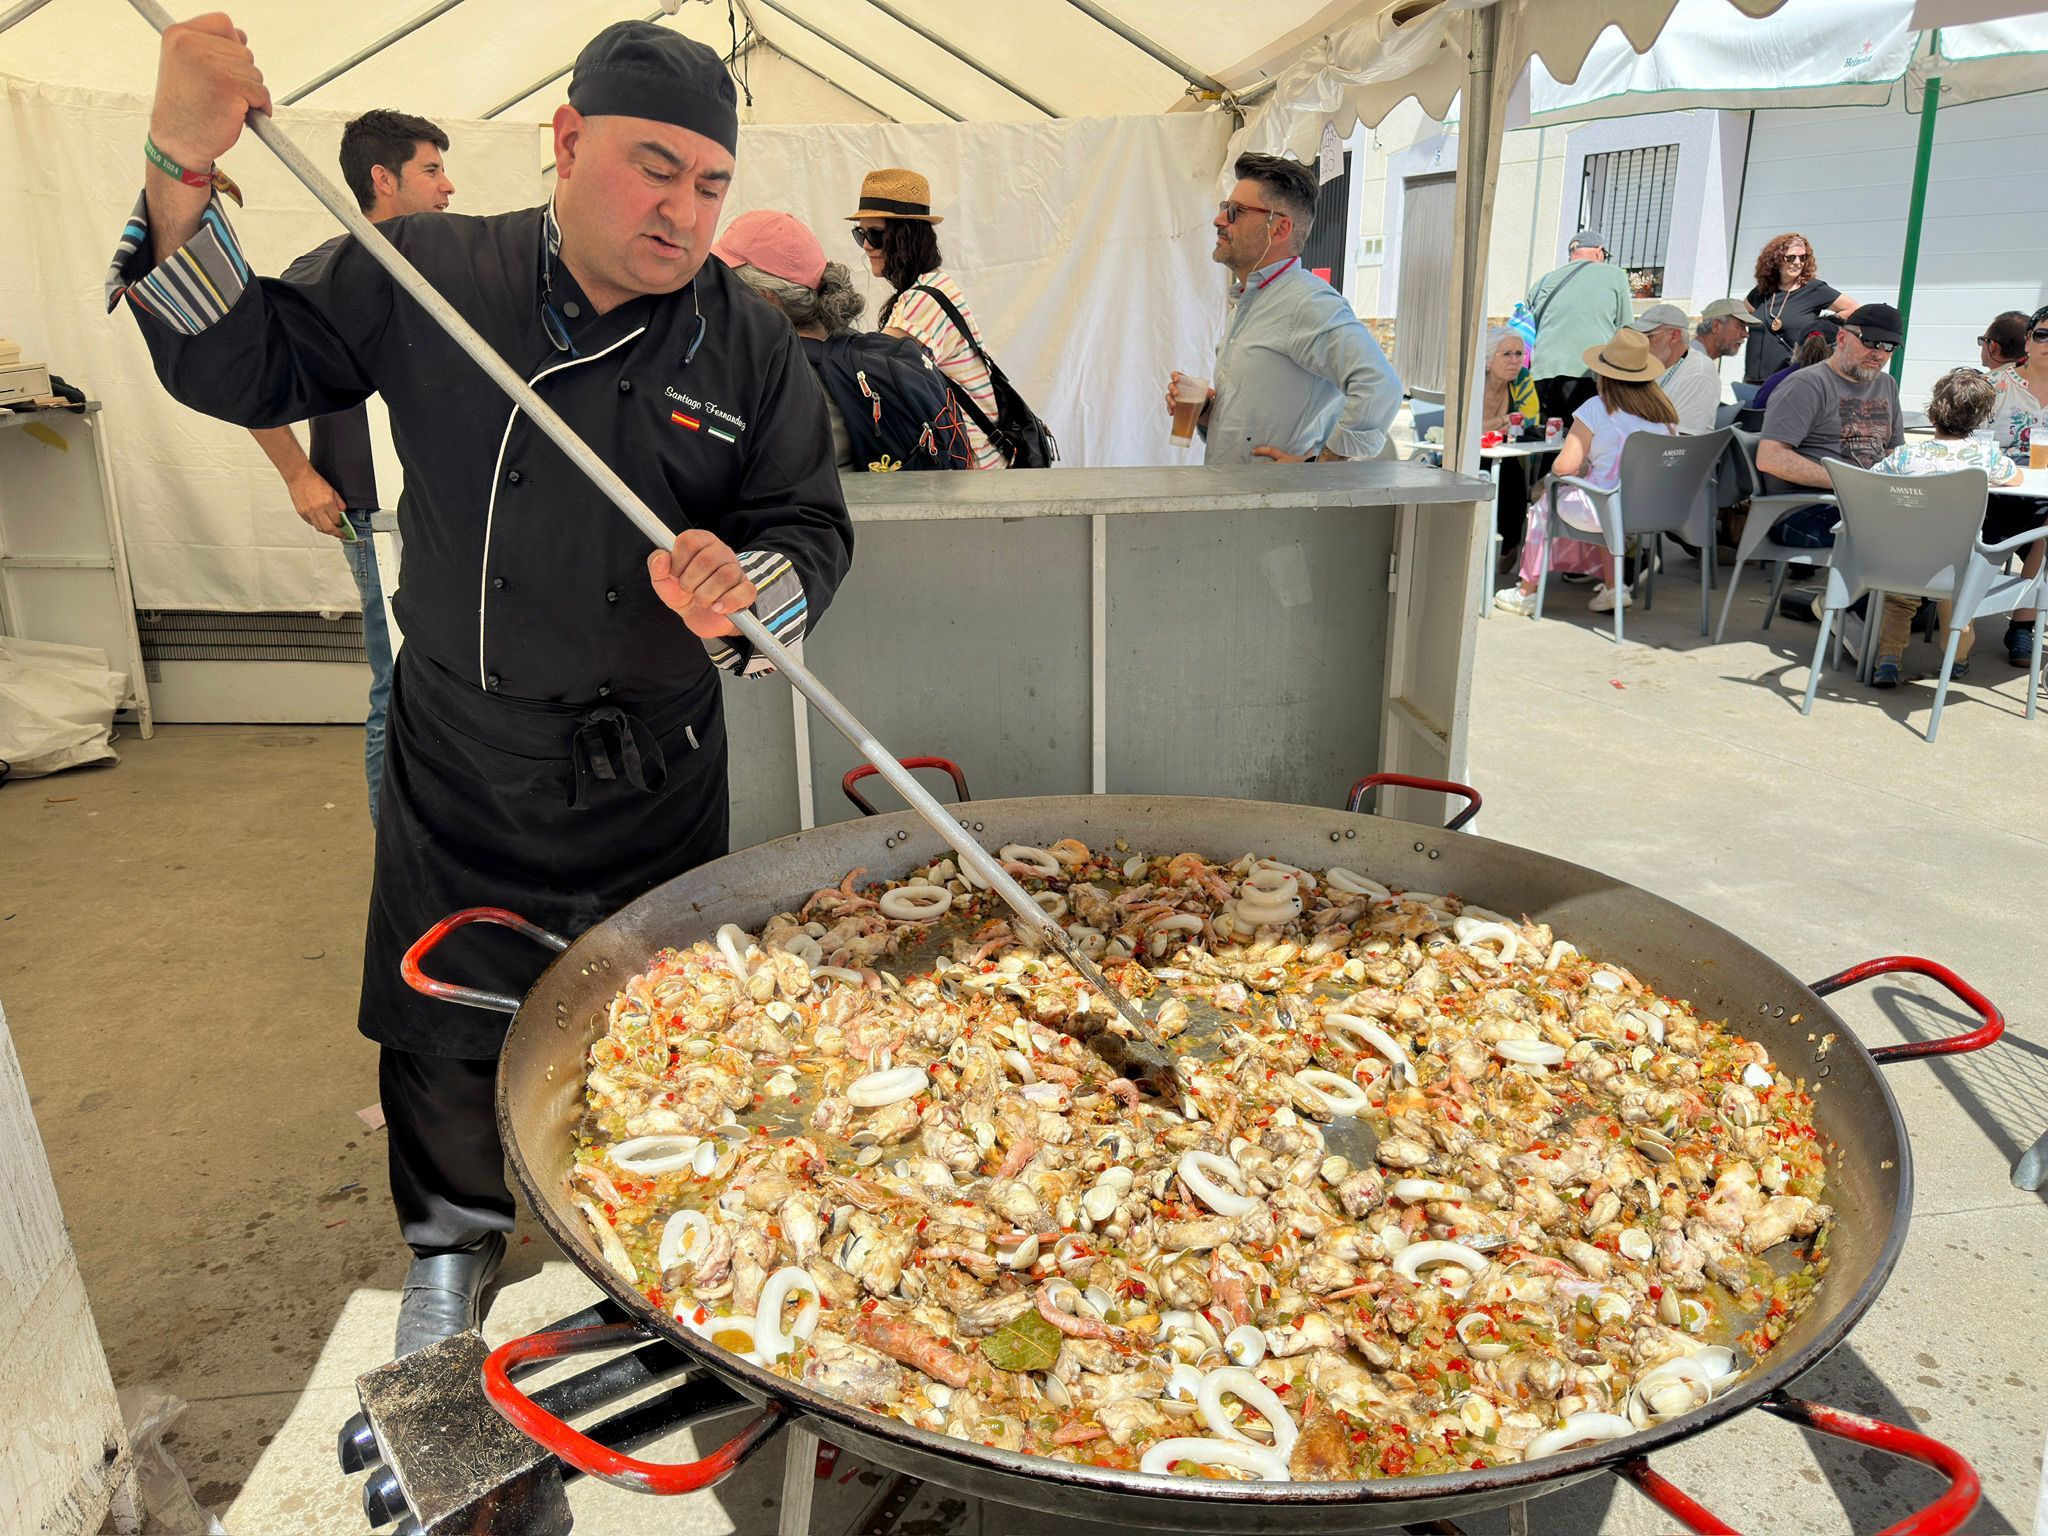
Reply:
x=1018, y=434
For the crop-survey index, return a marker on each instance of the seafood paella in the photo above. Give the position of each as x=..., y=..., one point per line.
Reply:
x=1437, y=1191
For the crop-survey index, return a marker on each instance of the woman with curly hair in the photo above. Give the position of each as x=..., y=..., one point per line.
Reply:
x=1788, y=297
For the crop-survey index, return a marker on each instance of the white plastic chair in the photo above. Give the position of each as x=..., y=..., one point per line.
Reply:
x=1921, y=536
x=1759, y=541
x=1660, y=482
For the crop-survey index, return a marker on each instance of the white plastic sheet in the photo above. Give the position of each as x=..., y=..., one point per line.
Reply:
x=1082, y=246
x=57, y=706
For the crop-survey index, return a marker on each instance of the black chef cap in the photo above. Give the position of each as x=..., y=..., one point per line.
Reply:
x=639, y=69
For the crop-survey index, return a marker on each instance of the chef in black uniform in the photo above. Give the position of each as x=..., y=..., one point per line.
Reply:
x=556, y=744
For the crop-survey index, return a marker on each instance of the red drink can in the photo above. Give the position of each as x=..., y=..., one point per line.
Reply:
x=1553, y=430
x=1514, y=426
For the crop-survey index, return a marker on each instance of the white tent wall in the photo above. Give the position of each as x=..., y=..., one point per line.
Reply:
x=1842, y=177
x=1081, y=243
x=207, y=521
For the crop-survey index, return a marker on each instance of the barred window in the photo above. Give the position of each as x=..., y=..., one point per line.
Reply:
x=1627, y=195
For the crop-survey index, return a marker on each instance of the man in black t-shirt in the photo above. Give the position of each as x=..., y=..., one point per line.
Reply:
x=394, y=164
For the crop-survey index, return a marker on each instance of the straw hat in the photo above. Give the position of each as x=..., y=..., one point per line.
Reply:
x=895, y=193
x=1625, y=355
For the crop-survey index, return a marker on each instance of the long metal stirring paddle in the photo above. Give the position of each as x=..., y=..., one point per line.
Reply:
x=1143, y=1055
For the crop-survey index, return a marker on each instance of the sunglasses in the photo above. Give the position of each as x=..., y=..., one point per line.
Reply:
x=2039, y=333
x=1886, y=347
x=868, y=239
x=1799, y=257
x=1230, y=211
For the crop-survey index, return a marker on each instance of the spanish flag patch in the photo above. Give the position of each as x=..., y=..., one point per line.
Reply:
x=682, y=419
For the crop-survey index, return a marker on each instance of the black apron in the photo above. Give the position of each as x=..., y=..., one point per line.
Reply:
x=563, y=813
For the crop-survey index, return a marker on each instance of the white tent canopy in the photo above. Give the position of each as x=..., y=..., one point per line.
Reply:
x=911, y=61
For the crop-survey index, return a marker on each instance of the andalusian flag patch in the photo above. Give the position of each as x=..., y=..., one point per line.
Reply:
x=723, y=437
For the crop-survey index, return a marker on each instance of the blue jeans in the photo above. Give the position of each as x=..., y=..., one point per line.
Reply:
x=1809, y=527
x=362, y=564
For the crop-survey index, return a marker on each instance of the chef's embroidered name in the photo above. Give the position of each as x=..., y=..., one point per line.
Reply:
x=695, y=410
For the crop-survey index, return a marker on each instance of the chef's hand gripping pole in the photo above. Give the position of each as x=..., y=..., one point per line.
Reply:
x=600, y=474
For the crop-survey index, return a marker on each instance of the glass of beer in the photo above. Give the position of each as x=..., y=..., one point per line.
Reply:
x=2037, y=445
x=1189, y=396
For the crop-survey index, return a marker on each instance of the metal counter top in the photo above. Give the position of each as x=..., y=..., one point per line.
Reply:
x=898, y=498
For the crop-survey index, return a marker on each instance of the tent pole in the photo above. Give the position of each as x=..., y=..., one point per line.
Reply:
x=827, y=79
x=327, y=76
x=829, y=40
x=21, y=13
x=1930, y=102
x=546, y=80
x=968, y=59
x=1478, y=156
x=1144, y=44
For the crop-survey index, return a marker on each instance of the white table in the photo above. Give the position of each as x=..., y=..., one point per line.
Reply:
x=2032, y=482
x=1520, y=450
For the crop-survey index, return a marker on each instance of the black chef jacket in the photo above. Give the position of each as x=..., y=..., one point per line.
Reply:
x=340, y=448
x=519, y=575
x=556, y=743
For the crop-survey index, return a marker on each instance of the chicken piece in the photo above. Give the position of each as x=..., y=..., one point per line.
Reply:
x=1323, y=1448
x=1309, y=1330
x=1323, y=1272
x=1783, y=1216
x=1185, y=1284
x=1406, y=1152
x=847, y=1370
x=893, y=1123
x=1128, y=1417
x=1361, y=1193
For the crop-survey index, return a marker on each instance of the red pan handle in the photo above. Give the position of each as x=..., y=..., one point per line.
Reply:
x=855, y=775
x=1945, y=1514
x=475, y=997
x=1886, y=965
x=585, y=1454
x=1409, y=781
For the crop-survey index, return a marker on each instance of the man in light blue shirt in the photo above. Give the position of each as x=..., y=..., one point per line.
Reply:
x=1298, y=375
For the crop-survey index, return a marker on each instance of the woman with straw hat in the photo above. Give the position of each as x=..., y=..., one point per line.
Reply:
x=894, y=225
x=1628, y=401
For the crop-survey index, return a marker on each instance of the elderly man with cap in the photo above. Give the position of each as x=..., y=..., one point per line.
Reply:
x=556, y=744
x=1575, y=307
x=1692, y=372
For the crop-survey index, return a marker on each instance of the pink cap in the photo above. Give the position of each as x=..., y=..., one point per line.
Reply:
x=780, y=244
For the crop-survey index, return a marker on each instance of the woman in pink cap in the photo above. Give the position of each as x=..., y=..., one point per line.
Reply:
x=889, y=405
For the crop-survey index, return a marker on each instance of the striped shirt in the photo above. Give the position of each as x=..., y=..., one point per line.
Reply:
x=919, y=315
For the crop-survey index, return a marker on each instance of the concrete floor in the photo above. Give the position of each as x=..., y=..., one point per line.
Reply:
x=180, y=942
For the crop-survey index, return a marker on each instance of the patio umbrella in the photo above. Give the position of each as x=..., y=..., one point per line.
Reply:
x=1812, y=53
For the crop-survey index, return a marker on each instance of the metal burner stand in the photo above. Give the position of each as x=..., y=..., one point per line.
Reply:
x=439, y=1460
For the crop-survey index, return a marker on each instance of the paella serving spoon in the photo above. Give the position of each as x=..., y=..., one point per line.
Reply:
x=1132, y=1047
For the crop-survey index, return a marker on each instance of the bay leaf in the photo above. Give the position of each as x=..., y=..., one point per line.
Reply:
x=1025, y=1343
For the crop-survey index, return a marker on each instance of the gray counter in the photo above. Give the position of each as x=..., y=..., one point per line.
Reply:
x=1269, y=632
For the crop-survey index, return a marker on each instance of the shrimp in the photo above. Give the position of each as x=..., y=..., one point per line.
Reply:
x=914, y=1346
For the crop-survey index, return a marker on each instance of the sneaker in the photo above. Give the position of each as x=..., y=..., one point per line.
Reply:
x=2019, y=644
x=1886, y=673
x=1515, y=600
x=1959, y=671
x=1606, y=598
